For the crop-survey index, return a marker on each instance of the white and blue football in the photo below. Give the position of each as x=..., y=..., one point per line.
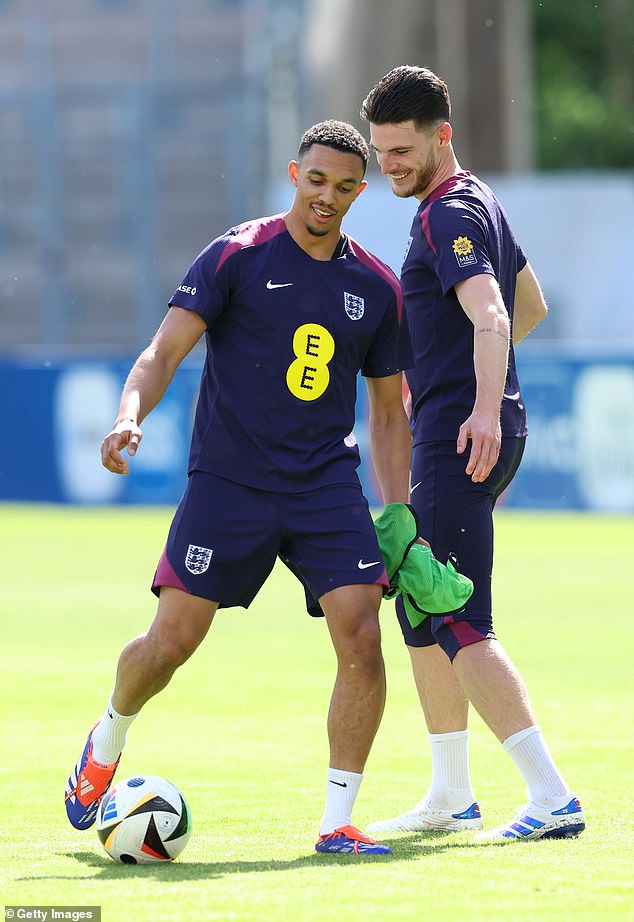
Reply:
x=144, y=820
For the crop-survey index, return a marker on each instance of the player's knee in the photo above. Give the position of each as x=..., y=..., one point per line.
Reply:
x=360, y=647
x=170, y=648
x=178, y=653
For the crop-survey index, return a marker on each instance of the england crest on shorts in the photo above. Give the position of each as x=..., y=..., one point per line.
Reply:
x=354, y=306
x=197, y=559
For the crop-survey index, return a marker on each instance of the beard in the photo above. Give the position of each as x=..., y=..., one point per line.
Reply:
x=421, y=179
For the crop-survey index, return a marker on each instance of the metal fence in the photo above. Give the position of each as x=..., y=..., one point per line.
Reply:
x=113, y=177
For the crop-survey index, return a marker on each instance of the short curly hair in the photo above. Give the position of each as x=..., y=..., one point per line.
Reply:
x=340, y=135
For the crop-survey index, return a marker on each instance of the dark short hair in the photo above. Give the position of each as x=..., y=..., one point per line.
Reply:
x=408, y=93
x=340, y=135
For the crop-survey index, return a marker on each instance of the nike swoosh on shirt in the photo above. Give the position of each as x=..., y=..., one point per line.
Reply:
x=363, y=566
x=271, y=284
x=411, y=489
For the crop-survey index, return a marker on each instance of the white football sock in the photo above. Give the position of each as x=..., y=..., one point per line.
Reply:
x=109, y=736
x=450, y=780
x=543, y=779
x=341, y=792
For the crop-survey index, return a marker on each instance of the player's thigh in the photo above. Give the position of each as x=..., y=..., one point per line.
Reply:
x=456, y=517
x=222, y=543
x=330, y=541
x=455, y=514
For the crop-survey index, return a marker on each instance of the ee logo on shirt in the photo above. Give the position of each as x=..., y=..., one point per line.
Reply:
x=308, y=376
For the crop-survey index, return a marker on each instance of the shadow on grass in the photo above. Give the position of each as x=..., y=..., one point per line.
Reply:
x=408, y=848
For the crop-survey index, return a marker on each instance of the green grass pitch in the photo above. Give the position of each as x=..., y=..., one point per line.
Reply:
x=241, y=730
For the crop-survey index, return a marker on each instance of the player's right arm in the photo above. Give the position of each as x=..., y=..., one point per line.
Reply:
x=530, y=306
x=147, y=382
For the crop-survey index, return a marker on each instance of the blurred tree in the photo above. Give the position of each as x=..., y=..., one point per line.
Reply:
x=584, y=83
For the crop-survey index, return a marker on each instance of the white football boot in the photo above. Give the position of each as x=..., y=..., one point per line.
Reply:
x=534, y=822
x=423, y=818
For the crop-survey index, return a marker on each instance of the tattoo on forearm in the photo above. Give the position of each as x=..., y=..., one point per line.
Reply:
x=503, y=334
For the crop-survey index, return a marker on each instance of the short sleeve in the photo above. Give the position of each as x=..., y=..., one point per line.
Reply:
x=391, y=348
x=459, y=239
x=521, y=257
x=206, y=287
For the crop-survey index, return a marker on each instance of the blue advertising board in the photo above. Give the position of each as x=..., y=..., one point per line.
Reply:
x=63, y=410
x=579, y=455
x=580, y=447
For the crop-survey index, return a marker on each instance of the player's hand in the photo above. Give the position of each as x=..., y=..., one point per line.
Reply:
x=486, y=439
x=124, y=434
x=422, y=541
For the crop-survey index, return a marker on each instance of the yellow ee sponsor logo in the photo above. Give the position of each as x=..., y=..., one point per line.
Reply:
x=308, y=376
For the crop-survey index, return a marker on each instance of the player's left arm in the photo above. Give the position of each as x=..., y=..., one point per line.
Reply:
x=390, y=437
x=481, y=299
x=530, y=306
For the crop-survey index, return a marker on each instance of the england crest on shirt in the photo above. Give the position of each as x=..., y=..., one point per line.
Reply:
x=197, y=559
x=354, y=306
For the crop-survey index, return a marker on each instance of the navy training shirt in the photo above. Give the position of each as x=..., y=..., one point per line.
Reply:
x=460, y=230
x=286, y=337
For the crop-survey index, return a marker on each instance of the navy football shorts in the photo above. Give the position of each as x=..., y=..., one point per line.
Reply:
x=456, y=516
x=225, y=538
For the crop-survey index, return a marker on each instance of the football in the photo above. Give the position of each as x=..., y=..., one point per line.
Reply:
x=144, y=820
